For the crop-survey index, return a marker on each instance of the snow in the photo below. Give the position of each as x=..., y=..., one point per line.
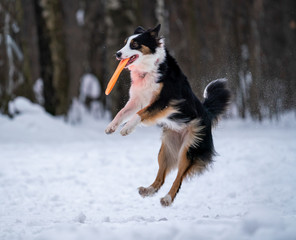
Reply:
x=59, y=181
x=80, y=17
x=89, y=87
x=89, y=90
x=245, y=52
x=38, y=90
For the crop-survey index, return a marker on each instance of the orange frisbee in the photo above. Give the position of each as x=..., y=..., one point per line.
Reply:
x=115, y=76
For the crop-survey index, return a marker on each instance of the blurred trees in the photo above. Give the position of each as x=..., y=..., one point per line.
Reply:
x=252, y=43
x=13, y=77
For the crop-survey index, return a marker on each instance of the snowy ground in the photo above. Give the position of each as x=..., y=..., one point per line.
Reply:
x=59, y=181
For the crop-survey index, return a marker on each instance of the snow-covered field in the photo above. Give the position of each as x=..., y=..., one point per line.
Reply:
x=64, y=182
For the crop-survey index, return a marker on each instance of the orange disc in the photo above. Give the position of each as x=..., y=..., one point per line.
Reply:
x=115, y=76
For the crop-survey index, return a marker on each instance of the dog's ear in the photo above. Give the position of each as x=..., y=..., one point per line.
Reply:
x=139, y=30
x=154, y=32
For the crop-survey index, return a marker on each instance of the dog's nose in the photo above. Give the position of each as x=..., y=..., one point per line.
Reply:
x=118, y=54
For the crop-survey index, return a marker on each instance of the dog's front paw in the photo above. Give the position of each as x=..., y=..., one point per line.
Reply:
x=145, y=192
x=111, y=128
x=126, y=130
x=130, y=125
x=166, y=200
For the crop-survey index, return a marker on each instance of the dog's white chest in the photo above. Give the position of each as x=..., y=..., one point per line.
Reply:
x=143, y=88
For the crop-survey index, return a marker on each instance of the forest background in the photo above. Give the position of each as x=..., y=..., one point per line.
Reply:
x=52, y=50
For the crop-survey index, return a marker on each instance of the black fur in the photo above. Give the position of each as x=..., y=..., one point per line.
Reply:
x=217, y=98
x=139, y=30
x=148, y=38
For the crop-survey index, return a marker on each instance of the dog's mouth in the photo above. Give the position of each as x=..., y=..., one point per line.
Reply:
x=132, y=59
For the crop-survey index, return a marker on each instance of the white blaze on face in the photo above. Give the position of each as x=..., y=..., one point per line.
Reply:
x=126, y=51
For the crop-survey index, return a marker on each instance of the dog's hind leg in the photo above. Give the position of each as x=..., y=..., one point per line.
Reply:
x=161, y=174
x=167, y=160
x=184, y=166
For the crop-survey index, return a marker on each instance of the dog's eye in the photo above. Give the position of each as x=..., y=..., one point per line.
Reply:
x=134, y=45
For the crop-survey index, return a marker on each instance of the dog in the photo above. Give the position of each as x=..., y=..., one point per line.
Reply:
x=161, y=94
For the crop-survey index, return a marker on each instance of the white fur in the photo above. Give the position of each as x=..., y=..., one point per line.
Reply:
x=142, y=89
x=130, y=125
x=166, y=200
x=177, y=126
x=145, y=192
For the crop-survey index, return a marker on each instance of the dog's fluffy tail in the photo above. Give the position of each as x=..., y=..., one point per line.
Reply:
x=217, y=98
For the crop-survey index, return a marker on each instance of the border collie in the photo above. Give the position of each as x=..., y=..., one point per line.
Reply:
x=160, y=94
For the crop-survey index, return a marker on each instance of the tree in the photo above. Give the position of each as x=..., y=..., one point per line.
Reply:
x=11, y=55
x=53, y=64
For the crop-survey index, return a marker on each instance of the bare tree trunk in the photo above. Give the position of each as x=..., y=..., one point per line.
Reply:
x=54, y=70
x=11, y=55
x=45, y=59
x=28, y=43
x=76, y=44
x=96, y=34
x=4, y=94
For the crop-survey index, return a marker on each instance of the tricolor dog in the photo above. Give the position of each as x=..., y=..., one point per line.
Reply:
x=160, y=94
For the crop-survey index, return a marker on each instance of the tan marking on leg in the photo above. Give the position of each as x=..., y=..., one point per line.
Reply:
x=163, y=168
x=184, y=165
x=167, y=160
x=161, y=174
x=151, y=117
x=168, y=155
